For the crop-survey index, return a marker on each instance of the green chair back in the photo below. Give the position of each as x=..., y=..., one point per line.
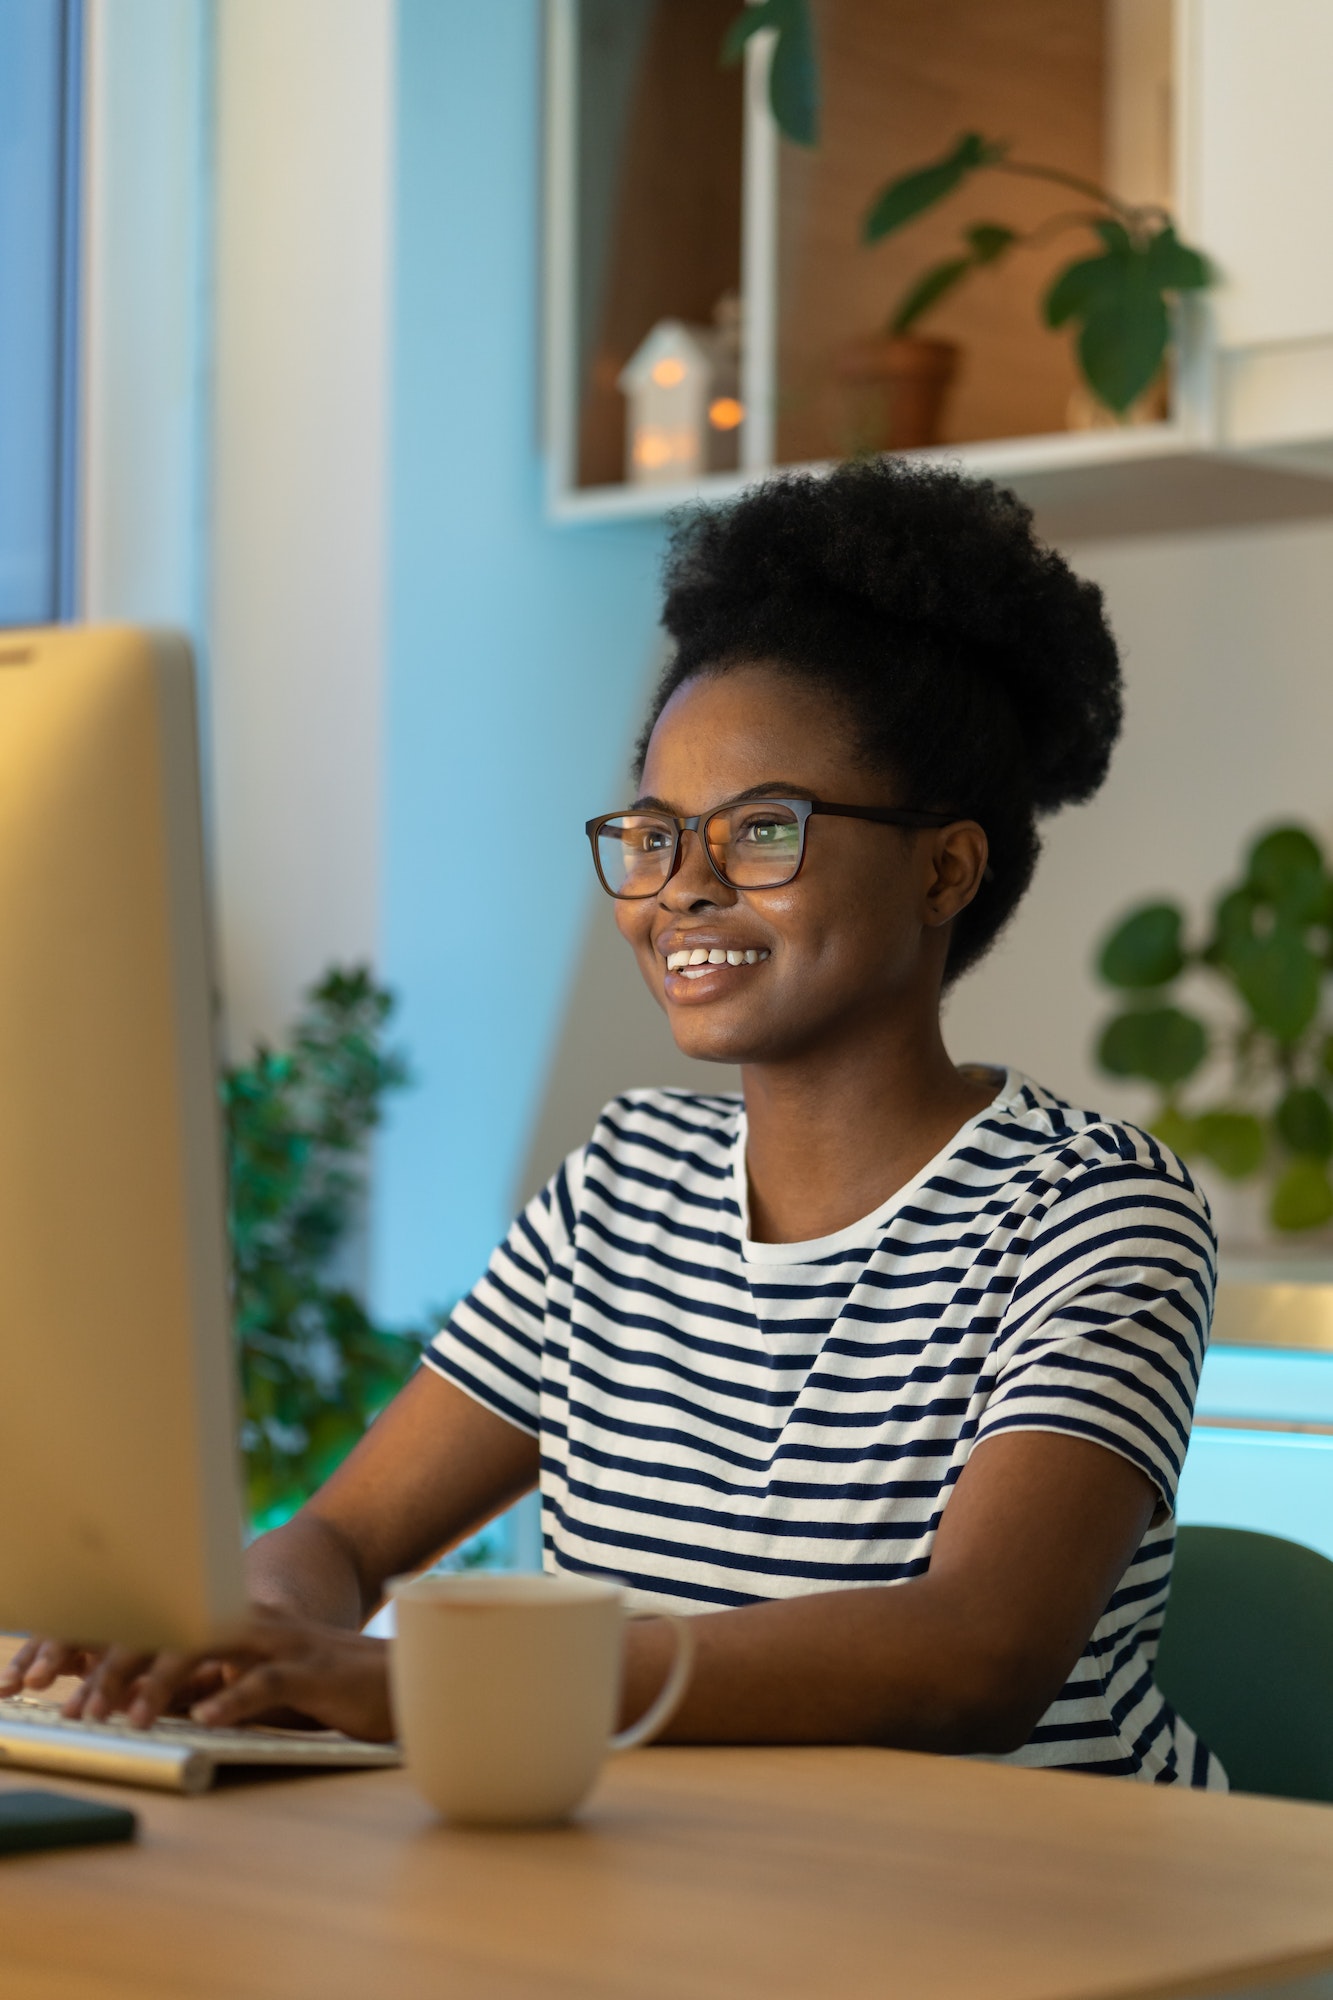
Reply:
x=1247, y=1657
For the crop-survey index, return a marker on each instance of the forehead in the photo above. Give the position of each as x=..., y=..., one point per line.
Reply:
x=723, y=732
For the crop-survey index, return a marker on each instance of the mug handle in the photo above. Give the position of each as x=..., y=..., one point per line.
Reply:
x=669, y=1700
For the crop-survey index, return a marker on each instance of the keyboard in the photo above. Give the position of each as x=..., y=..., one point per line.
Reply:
x=174, y=1755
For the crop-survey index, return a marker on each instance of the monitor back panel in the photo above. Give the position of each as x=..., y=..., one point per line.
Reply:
x=119, y=1496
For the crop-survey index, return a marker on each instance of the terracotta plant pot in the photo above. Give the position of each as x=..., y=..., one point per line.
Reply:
x=894, y=389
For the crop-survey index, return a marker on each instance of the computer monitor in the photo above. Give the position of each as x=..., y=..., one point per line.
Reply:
x=120, y=1514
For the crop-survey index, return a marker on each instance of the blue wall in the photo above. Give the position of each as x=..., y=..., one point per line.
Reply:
x=517, y=659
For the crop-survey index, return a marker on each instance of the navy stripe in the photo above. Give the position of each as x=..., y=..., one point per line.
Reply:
x=719, y=1426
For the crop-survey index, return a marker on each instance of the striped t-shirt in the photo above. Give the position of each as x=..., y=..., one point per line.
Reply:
x=723, y=1421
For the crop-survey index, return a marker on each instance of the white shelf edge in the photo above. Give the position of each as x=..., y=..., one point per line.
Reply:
x=991, y=458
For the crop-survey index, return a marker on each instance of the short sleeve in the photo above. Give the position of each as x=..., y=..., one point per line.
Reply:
x=1105, y=1331
x=492, y=1344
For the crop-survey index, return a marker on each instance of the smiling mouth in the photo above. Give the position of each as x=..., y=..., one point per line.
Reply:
x=697, y=964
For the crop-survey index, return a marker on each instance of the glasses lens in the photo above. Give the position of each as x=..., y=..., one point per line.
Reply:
x=756, y=846
x=634, y=853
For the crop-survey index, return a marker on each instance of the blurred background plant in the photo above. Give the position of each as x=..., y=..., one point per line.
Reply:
x=1118, y=300
x=1261, y=1068
x=315, y=1368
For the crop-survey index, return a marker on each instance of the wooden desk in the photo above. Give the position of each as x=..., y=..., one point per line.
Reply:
x=693, y=1875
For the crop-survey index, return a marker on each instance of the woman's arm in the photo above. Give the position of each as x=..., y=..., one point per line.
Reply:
x=432, y=1469
x=1033, y=1542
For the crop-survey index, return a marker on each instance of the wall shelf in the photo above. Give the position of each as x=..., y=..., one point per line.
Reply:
x=1081, y=486
x=1250, y=436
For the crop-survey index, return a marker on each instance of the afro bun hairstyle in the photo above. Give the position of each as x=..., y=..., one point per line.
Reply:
x=973, y=668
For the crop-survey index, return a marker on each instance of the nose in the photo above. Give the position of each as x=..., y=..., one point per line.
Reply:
x=693, y=885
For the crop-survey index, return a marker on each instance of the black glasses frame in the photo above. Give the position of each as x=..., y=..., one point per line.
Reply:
x=909, y=816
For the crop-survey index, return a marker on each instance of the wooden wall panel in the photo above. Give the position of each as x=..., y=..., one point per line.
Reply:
x=902, y=78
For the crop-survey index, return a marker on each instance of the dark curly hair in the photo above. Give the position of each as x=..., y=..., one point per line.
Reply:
x=976, y=671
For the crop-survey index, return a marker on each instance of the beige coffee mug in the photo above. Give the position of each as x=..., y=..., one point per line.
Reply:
x=505, y=1691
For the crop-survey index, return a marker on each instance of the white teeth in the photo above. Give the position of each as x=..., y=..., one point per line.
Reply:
x=692, y=961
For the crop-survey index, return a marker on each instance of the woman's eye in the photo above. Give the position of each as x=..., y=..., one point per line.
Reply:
x=766, y=832
x=651, y=840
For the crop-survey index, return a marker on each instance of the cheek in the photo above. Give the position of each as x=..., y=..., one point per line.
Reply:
x=857, y=924
x=634, y=921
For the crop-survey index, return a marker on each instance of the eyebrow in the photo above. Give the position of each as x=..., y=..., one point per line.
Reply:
x=783, y=788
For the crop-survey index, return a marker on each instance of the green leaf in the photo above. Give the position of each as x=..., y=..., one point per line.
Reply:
x=1303, y=1197
x=1305, y=1122
x=1076, y=290
x=1123, y=341
x=990, y=240
x=1144, y=950
x=1286, y=868
x=1162, y=1044
x=928, y=291
x=1233, y=1141
x=1174, y=266
x=1233, y=928
x=1176, y=1130
x=1279, y=977
x=1114, y=235
x=902, y=200
x=793, y=78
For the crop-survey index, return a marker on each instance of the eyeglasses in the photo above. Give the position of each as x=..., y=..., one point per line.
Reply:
x=750, y=844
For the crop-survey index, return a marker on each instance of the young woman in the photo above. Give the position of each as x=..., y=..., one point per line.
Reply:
x=885, y=1369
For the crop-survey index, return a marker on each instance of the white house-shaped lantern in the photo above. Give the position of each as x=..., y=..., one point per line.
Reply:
x=667, y=383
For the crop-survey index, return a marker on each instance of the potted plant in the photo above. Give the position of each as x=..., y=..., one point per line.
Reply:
x=1118, y=300
x=1247, y=1085
x=315, y=1368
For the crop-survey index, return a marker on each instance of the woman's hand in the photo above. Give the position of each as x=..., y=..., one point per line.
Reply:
x=39, y=1663
x=279, y=1667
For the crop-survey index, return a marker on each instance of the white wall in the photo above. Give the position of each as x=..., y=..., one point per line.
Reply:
x=300, y=408
x=145, y=278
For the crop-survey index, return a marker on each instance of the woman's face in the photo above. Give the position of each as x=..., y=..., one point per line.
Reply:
x=863, y=927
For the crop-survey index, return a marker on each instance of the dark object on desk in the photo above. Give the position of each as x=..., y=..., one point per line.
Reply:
x=30, y=1820
x=1247, y=1655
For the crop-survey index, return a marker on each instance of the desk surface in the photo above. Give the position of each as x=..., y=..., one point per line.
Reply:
x=692, y=1875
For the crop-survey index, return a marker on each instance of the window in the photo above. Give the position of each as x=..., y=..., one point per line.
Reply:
x=40, y=43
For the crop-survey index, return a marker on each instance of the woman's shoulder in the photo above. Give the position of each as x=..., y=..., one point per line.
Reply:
x=1074, y=1146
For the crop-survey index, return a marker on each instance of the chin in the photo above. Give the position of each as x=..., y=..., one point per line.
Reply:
x=722, y=1041
x=716, y=1041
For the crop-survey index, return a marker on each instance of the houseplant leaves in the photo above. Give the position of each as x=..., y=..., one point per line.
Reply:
x=793, y=77
x=1303, y=1196
x=1271, y=952
x=1163, y=1044
x=986, y=244
x=1145, y=950
x=1304, y=1122
x=314, y=1366
x=911, y=194
x=1118, y=301
x=1232, y=1140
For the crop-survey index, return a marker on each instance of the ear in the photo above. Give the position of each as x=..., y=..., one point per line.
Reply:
x=957, y=859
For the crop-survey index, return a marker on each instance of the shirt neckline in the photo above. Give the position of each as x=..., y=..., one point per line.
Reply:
x=814, y=1249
